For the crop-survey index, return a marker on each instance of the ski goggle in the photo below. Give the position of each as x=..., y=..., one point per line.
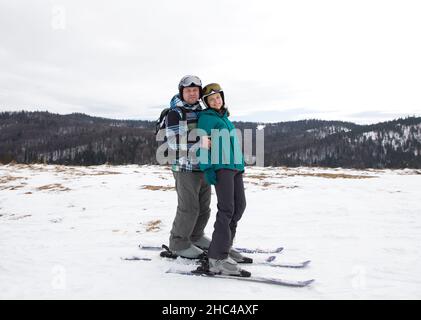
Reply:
x=211, y=89
x=189, y=81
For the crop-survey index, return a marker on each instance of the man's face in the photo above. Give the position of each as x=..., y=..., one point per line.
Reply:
x=191, y=95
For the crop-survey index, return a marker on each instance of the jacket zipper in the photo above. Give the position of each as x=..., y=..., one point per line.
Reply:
x=231, y=144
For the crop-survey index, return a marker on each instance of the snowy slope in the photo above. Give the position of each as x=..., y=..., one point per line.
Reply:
x=64, y=230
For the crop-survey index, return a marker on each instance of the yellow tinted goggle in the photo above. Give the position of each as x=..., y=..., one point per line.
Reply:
x=211, y=89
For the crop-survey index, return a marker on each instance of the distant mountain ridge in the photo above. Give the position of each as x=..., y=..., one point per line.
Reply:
x=80, y=139
x=392, y=144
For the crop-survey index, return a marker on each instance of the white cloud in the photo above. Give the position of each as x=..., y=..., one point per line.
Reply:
x=124, y=59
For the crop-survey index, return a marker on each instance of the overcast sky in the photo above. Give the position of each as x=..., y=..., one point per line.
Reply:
x=276, y=60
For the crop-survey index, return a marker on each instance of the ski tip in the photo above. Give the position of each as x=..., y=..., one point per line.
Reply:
x=307, y=282
x=301, y=284
x=252, y=251
x=306, y=263
x=270, y=259
x=173, y=270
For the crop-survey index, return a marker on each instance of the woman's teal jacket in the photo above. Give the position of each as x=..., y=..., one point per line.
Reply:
x=225, y=151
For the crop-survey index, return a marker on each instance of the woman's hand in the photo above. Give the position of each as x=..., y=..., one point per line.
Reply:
x=205, y=142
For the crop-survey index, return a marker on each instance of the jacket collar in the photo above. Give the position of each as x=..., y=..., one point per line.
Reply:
x=211, y=111
x=176, y=102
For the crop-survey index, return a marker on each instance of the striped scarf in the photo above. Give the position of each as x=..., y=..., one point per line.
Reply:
x=175, y=129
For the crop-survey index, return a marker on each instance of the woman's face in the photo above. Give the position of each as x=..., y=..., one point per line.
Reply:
x=215, y=101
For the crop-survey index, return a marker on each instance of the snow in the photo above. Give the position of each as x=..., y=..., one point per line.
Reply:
x=396, y=139
x=64, y=230
x=327, y=130
x=371, y=135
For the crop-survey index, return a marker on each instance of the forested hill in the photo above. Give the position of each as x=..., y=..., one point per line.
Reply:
x=79, y=139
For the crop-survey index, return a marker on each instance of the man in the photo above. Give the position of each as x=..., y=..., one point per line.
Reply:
x=187, y=237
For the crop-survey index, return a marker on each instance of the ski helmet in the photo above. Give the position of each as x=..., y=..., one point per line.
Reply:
x=189, y=81
x=211, y=89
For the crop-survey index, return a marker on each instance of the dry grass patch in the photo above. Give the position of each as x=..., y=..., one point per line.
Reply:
x=53, y=187
x=120, y=231
x=412, y=172
x=272, y=185
x=14, y=217
x=11, y=187
x=78, y=172
x=257, y=176
x=7, y=179
x=156, y=188
x=102, y=173
x=16, y=187
x=287, y=187
x=153, y=226
x=331, y=175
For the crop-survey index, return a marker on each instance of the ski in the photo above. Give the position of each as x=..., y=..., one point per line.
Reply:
x=268, y=251
x=296, y=265
x=274, y=281
x=150, y=248
x=135, y=258
x=242, y=250
x=267, y=262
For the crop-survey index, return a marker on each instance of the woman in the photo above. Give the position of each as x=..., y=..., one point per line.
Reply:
x=223, y=165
